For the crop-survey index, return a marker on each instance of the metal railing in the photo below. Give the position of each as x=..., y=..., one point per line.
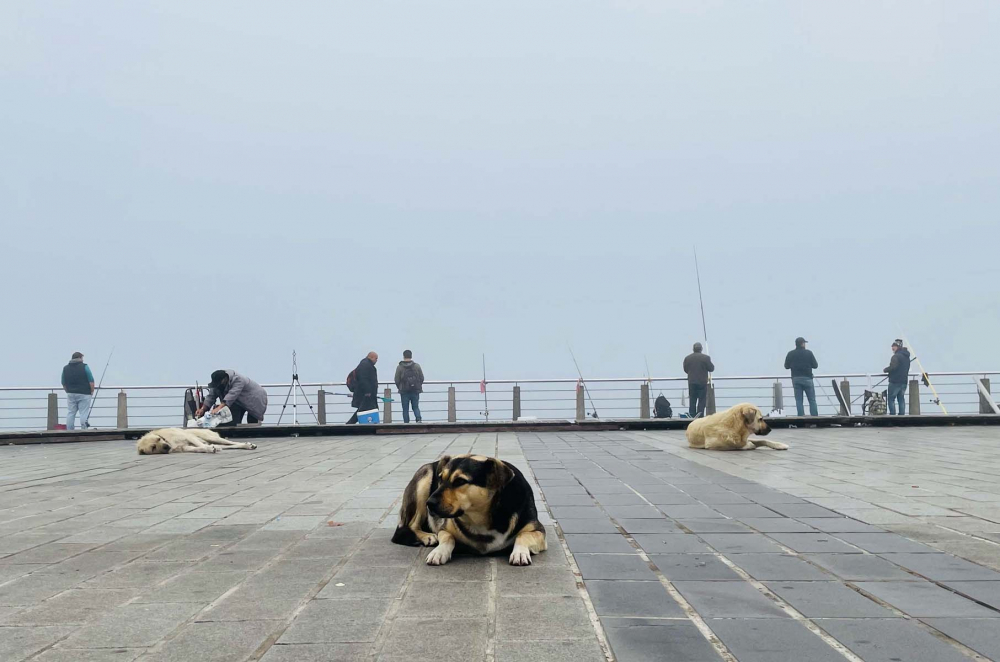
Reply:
x=40, y=407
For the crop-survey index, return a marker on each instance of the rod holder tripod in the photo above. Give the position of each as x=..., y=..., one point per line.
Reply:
x=291, y=394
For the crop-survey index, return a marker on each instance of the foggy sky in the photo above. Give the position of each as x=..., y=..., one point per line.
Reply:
x=206, y=185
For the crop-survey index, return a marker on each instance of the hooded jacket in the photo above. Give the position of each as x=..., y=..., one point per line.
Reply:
x=366, y=388
x=899, y=366
x=243, y=390
x=404, y=371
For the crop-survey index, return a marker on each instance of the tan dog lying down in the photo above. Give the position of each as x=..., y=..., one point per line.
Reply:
x=188, y=440
x=730, y=430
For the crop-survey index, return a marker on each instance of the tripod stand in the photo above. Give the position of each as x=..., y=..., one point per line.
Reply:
x=291, y=394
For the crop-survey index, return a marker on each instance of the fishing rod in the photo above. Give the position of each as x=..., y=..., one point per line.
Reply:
x=486, y=402
x=924, y=377
x=701, y=304
x=584, y=382
x=93, y=401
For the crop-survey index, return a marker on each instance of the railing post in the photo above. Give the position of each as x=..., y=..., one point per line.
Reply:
x=845, y=390
x=581, y=409
x=122, y=410
x=387, y=406
x=517, y=402
x=778, y=397
x=984, y=404
x=644, y=401
x=452, y=410
x=321, y=406
x=710, y=400
x=53, y=412
x=914, y=397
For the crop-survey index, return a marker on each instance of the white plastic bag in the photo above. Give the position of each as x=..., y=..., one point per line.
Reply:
x=210, y=420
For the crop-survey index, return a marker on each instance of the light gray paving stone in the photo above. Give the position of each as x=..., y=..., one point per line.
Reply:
x=567, y=650
x=772, y=640
x=358, y=620
x=535, y=580
x=132, y=626
x=924, y=599
x=232, y=560
x=829, y=599
x=197, y=587
x=446, y=601
x=17, y=643
x=32, y=589
x=424, y=638
x=96, y=655
x=313, y=548
x=890, y=640
x=459, y=569
x=215, y=642
x=359, y=582
x=73, y=606
x=542, y=617
x=52, y=552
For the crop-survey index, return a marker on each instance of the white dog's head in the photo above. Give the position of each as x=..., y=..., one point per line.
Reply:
x=753, y=418
x=152, y=444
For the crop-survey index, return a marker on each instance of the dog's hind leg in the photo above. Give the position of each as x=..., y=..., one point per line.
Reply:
x=529, y=541
x=776, y=445
x=192, y=448
x=225, y=444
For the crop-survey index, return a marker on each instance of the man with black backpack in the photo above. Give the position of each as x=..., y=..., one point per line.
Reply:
x=363, y=383
x=410, y=384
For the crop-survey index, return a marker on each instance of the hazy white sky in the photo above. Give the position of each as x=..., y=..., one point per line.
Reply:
x=214, y=184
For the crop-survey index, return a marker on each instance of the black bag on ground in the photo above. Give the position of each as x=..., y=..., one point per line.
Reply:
x=661, y=407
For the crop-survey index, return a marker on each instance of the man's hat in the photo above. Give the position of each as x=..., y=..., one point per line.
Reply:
x=217, y=378
x=77, y=355
x=897, y=343
x=800, y=341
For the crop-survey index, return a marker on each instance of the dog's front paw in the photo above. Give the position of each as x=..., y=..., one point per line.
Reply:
x=520, y=556
x=439, y=556
x=428, y=539
x=215, y=449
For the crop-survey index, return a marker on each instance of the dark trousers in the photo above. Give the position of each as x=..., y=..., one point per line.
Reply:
x=367, y=402
x=896, y=393
x=696, y=394
x=238, y=412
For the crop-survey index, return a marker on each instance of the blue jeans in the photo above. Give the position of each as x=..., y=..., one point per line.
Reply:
x=896, y=393
x=410, y=399
x=804, y=385
x=77, y=402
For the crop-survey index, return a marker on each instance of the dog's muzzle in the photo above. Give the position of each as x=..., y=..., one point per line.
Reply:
x=434, y=506
x=764, y=429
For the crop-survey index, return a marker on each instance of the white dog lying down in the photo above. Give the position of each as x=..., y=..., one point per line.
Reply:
x=730, y=430
x=189, y=440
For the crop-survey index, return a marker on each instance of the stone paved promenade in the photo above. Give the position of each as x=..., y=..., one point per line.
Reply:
x=856, y=544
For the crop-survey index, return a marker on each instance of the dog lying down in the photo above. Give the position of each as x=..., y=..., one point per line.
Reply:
x=730, y=430
x=481, y=503
x=186, y=440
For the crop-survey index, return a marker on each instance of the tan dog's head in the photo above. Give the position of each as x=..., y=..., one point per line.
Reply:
x=468, y=484
x=754, y=419
x=152, y=444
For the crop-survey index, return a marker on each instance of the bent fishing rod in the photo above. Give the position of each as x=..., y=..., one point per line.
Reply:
x=584, y=382
x=93, y=401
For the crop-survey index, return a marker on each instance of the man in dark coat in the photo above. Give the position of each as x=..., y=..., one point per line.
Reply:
x=697, y=366
x=899, y=373
x=365, y=386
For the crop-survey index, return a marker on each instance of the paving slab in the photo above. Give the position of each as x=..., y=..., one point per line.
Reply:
x=772, y=640
x=976, y=633
x=633, y=599
x=827, y=599
x=943, y=567
x=859, y=567
x=778, y=567
x=728, y=599
x=924, y=599
x=640, y=640
x=890, y=640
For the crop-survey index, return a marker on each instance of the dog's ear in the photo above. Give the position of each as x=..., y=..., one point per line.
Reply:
x=502, y=473
x=749, y=414
x=442, y=463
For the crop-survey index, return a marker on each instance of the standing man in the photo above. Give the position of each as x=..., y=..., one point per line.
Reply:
x=78, y=382
x=801, y=362
x=242, y=395
x=410, y=384
x=899, y=372
x=365, y=386
x=697, y=366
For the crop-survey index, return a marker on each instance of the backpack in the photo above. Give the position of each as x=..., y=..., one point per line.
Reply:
x=410, y=381
x=352, y=380
x=661, y=407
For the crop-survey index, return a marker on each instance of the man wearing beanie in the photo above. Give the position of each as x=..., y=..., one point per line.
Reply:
x=899, y=373
x=697, y=366
x=78, y=382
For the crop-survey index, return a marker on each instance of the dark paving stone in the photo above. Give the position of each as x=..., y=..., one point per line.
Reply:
x=572, y=650
x=676, y=641
x=620, y=500
x=692, y=567
x=879, y=543
x=839, y=525
x=769, y=497
x=921, y=598
x=890, y=640
x=691, y=512
x=772, y=640
x=633, y=512
x=713, y=526
x=598, y=543
x=943, y=567
x=735, y=599
x=570, y=500
x=601, y=525
x=776, y=525
x=778, y=566
x=722, y=498
x=671, y=499
x=981, y=635
x=357, y=620
x=661, y=525
x=829, y=599
x=576, y=512
x=985, y=592
x=741, y=543
x=638, y=599
x=743, y=511
x=800, y=510
x=421, y=639
x=316, y=653
x=543, y=617
x=817, y=543
x=613, y=566
x=659, y=543
x=860, y=567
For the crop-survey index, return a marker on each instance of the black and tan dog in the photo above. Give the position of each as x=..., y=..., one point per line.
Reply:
x=479, y=502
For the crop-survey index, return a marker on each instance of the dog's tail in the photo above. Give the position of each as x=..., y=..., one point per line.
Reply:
x=404, y=535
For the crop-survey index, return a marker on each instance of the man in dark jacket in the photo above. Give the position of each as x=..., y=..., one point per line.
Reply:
x=410, y=384
x=697, y=366
x=242, y=395
x=899, y=373
x=802, y=362
x=78, y=382
x=365, y=386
